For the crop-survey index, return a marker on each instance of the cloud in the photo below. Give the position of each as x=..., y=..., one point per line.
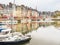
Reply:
x=57, y=6
x=48, y=5
x=5, y=1
x=42, y=5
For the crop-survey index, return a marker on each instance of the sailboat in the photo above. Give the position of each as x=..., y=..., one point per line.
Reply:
x=9, y=37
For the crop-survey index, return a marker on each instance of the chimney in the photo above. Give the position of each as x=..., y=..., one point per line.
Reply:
x=10, y=5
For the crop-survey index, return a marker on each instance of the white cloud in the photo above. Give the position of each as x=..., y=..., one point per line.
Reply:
x=5, y=1
x=46, y=5
x=57, y=6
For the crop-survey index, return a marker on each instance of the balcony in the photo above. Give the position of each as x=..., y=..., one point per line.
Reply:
x=5, y=11
x=8, y=22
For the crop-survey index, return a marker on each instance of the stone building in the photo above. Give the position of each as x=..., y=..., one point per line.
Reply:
x=56, y=18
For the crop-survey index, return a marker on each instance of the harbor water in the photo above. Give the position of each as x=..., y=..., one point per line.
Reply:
x=45, y=36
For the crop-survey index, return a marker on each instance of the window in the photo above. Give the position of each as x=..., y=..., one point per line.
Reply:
x=19, y=21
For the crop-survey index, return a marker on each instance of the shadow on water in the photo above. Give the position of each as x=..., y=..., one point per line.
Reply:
x=23, y=43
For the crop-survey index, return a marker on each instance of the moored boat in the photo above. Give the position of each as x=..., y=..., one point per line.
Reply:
x=13, y=38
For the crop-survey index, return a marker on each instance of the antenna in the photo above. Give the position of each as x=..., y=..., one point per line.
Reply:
x=36, y=4
x=14, y=2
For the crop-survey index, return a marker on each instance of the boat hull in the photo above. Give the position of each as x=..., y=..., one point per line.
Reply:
x=15, y=42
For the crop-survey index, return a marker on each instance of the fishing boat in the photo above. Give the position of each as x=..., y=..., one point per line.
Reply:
x=8, y=38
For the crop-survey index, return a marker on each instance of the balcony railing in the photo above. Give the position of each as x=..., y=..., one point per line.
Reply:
x=8, y=22
x=5, y=11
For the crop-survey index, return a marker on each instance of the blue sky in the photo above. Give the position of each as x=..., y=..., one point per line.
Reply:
x=41, y=5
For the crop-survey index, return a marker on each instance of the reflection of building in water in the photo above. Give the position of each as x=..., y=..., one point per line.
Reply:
x=56, y=18
x=26, y=16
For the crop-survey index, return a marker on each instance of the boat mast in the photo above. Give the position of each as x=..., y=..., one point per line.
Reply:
x=12, y=16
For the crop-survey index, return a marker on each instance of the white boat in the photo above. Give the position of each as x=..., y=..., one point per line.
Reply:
x=7, y=38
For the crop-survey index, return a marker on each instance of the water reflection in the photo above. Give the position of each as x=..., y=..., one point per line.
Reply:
x=28, y=27
x=43, y=36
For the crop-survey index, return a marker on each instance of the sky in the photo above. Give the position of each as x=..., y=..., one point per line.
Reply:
x=40, y=5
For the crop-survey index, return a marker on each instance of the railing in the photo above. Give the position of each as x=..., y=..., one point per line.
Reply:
x=5, y=11
x=8, y=22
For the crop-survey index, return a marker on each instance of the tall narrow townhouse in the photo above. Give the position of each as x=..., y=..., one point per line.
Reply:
x=35, y=16
x=29, y=14
x=56, y=18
